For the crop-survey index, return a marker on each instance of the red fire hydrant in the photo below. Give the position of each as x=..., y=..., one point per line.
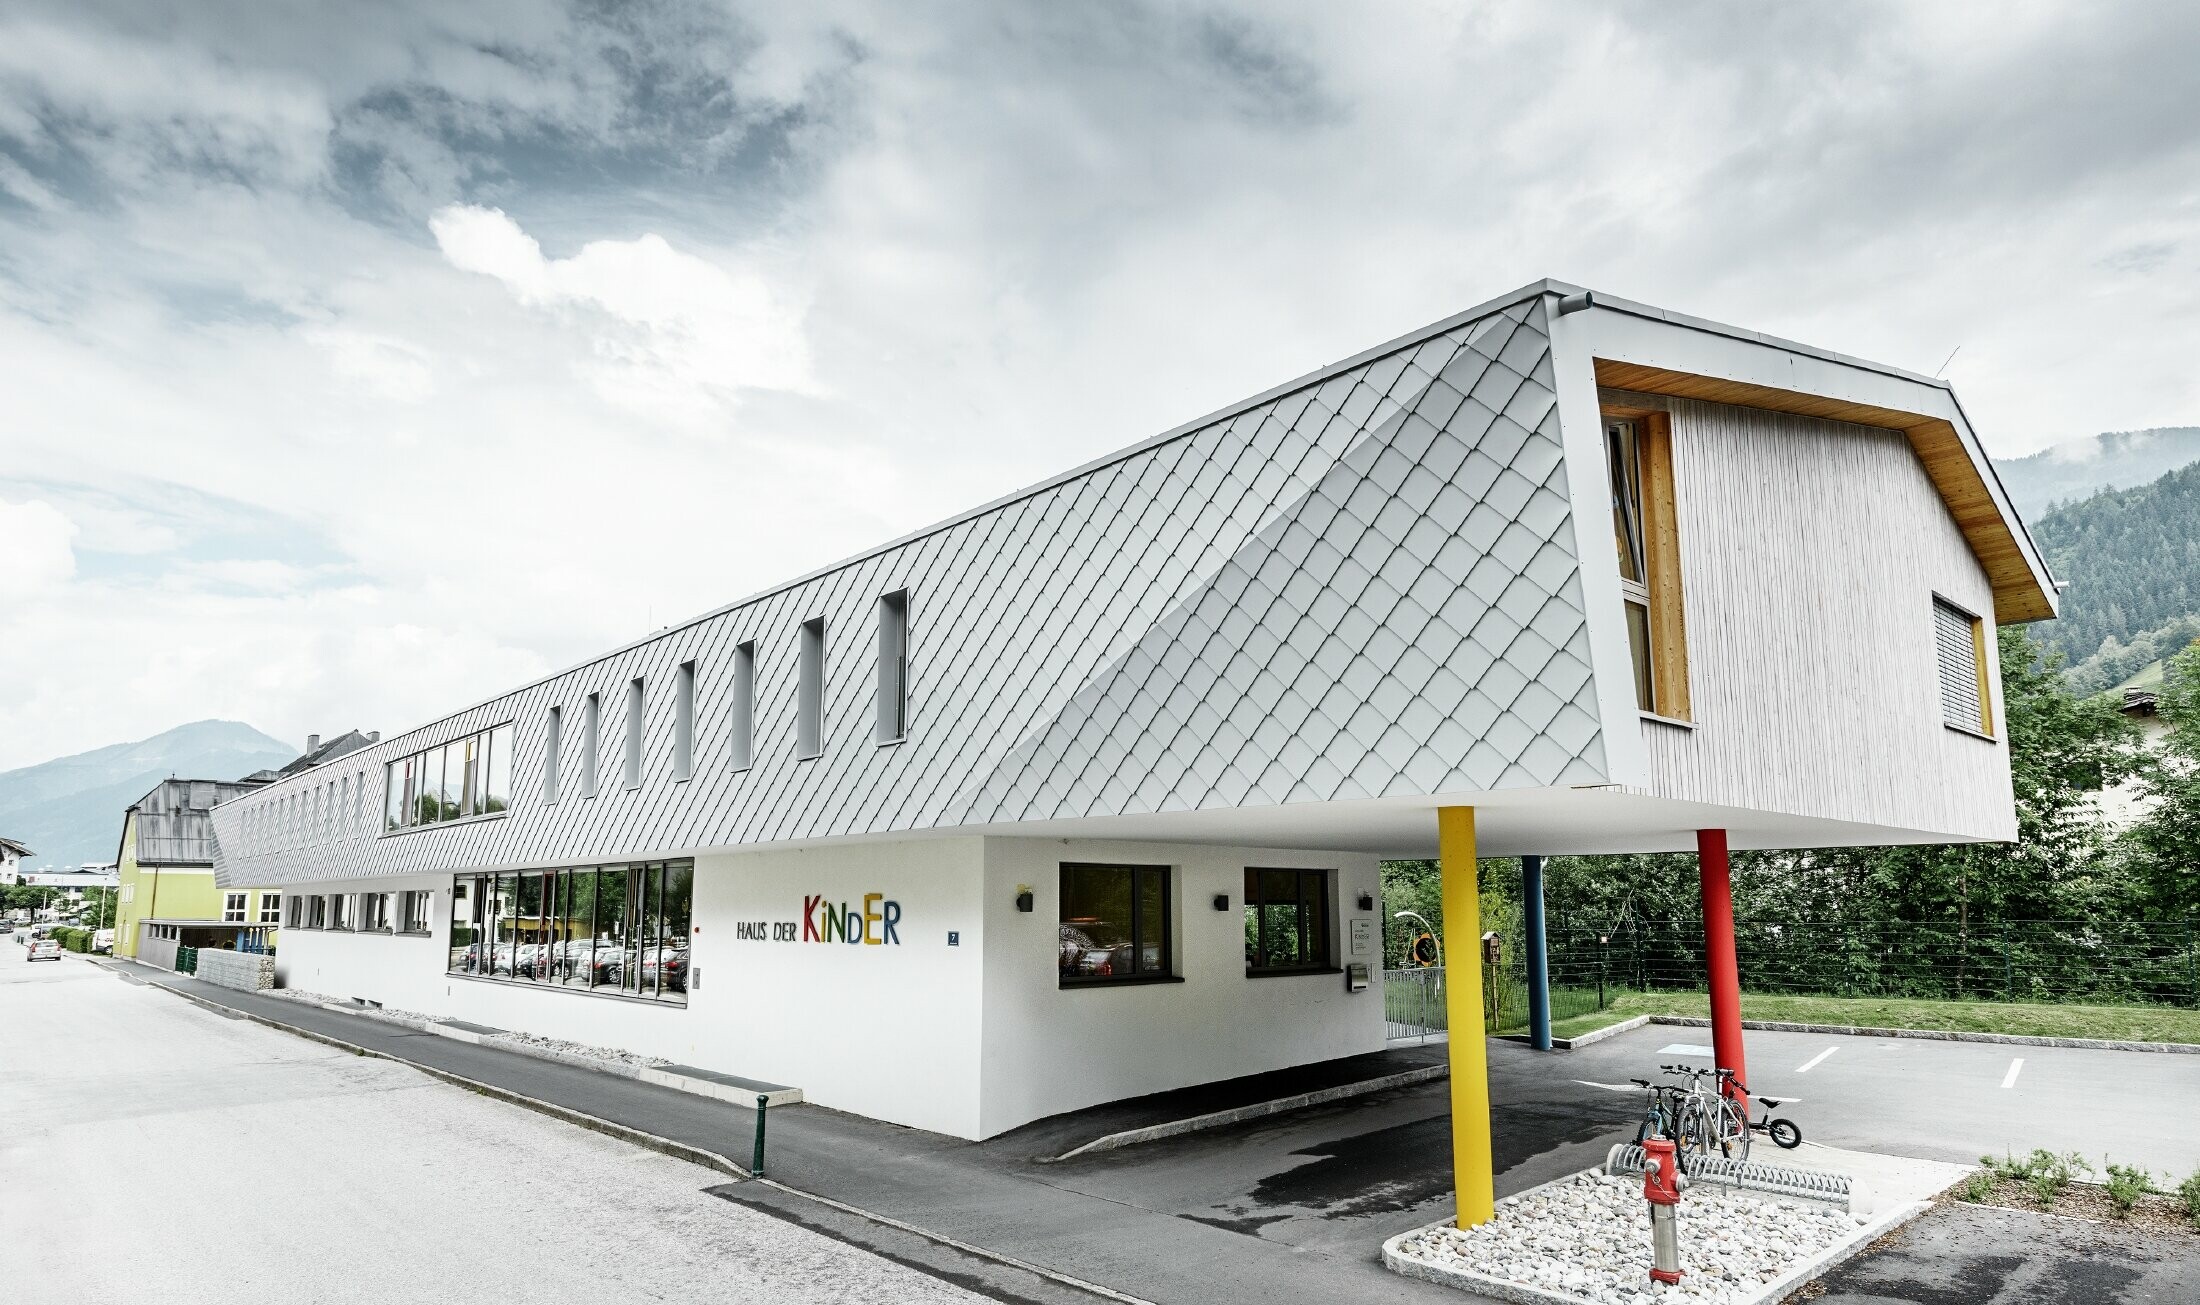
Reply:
x=1661, y=1186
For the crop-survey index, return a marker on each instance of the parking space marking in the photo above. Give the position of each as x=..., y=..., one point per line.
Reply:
x=1808, y=1065
x=2009, y=1079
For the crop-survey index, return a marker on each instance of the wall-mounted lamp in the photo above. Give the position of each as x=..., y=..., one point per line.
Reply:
x=1367, y=901
x=1023, y=897
x=1222, y=901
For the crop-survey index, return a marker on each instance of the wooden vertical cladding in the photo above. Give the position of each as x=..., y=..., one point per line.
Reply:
x=1662, y=540
x=1985, y=682
x=2018, y=595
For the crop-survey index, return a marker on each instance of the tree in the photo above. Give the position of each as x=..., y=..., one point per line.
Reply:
x=2167, y=840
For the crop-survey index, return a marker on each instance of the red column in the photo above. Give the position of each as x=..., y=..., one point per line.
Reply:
x=1718, y=950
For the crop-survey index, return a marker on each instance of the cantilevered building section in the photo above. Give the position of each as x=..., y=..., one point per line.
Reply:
x=1589, y=575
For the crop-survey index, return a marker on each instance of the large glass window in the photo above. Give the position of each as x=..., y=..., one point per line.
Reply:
x=374, y=912
x=412, y=911
x=1287, y=921
x=468, y=776
x=619, y=930
x=1115, y=924
x=339, y=911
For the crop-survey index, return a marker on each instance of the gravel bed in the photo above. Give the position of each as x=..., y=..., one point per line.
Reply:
x=2157, y=1212
x=508, y=1037
x=1589, y=1237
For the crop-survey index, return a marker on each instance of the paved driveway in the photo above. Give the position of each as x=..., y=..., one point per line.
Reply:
x=1349, y=1174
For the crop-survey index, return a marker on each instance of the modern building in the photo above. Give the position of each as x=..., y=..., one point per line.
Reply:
x=1562, y=573
x=168, y=897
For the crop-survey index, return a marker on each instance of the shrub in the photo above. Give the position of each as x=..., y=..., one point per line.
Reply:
x=2051, y=1173
x=2125, y=1186
x=1978, y=1186
x=2188, y=1191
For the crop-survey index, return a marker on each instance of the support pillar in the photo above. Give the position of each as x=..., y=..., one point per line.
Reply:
x=1473, y=1172
x=1721, y=973
x=1539, y=959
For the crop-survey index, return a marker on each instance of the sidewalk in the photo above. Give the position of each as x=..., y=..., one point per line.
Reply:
x=875, y=1183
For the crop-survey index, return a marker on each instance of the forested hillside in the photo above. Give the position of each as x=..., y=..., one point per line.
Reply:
x=2132, y=557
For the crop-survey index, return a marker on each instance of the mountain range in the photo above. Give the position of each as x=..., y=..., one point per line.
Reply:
x=69, y=810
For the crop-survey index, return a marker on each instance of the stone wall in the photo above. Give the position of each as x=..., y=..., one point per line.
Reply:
x=242, y=970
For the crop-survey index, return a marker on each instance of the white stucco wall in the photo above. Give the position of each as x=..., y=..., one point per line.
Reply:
x=1049, y=1049
x=968, y=1039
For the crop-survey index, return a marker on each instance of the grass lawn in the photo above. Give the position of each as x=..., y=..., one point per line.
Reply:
x=2122, y=1023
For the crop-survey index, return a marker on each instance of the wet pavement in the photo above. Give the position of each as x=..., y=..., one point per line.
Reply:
x=1977, y=1255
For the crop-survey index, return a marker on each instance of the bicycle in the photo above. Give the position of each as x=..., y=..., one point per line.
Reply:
x=1709, y=1119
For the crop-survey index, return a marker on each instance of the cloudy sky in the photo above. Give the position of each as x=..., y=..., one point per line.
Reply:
x=358, y=361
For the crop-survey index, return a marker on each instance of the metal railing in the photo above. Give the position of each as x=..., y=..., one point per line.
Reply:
x=1413, y=1002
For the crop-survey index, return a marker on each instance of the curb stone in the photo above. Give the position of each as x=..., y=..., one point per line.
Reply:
x=1255, y=1110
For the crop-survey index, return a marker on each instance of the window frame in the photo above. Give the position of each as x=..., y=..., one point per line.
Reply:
x=809, y=692
x=482, y=756
x=892, y=725
x=1645, y=498
x=234, y=906
x=268, y=900
x=412, y=923
x=1138, y=941
x=1325, y=962
x=741, y=725
x=1980, y=669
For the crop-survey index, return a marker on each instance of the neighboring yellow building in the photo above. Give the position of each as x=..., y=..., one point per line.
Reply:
x=165, y=865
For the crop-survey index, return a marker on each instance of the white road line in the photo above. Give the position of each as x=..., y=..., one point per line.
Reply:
x=2009, y=1079
x=1808, y=1065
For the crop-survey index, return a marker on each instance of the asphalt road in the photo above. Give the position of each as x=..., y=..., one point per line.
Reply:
x=153, y=1150
x=1289, y=1208
x=1953, y=1101
x=1968, y=1255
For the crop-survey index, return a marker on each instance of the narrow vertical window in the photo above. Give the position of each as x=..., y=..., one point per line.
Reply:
x=809, y=729
x=744, y=706
x=683, y=722
x=591, y=724
x=1959, y=640
x=1639, y=460
x=893, y=667
x=553, y=735
x=637, y=707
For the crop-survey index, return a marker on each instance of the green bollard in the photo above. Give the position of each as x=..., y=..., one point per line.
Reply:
x=756, y=1156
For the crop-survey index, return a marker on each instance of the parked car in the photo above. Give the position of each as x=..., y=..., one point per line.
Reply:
x=671, y=963
x=45, y=949
x=103, y=941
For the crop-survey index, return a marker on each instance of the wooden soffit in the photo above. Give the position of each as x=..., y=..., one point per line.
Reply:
x=2018, y=593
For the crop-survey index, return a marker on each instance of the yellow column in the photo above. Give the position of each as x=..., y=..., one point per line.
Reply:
x=1472, y=1172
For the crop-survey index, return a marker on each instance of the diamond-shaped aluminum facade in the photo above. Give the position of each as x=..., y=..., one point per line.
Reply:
x=1365, y=586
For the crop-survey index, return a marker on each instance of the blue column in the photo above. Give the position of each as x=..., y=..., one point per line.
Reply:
x=1539, y=960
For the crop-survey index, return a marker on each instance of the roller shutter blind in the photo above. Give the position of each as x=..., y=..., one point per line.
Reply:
x=1959, y=668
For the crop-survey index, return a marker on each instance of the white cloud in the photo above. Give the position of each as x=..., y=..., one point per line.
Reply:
x=35, y=550
x=820, y=274
x=670, y=324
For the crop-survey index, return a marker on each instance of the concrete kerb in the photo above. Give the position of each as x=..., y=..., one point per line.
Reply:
x=1521, y=1293
x=638, y=1137
x=1255, y=1110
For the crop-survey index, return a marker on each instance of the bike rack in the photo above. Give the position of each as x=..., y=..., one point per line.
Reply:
x=1625, y=1161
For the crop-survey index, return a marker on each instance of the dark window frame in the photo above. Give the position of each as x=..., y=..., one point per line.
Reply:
x=1138, y=937
x=1324, y=935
